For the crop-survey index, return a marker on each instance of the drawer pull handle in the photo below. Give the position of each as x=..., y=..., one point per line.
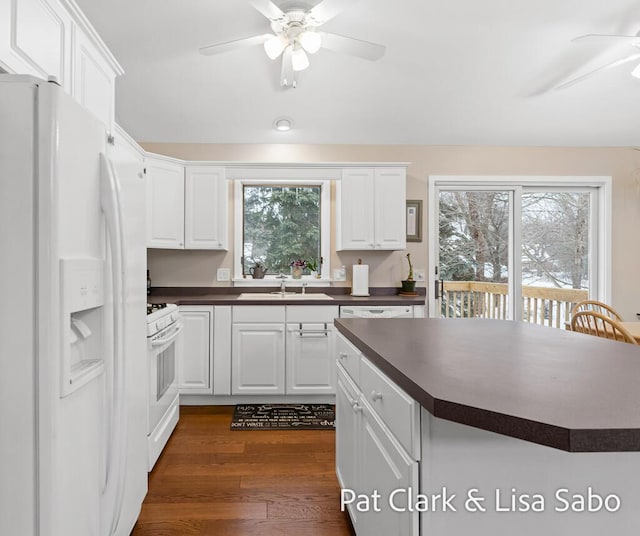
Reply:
x=343, y=355
x=357, y=408
x=376, y=396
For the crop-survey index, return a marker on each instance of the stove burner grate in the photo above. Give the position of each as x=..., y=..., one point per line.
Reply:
x=152, y=307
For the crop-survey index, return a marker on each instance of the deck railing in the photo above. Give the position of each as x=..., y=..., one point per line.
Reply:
x=545, y=306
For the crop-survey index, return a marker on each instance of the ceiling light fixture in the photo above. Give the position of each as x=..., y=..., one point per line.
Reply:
x=299, y=59
x=283, y=124
x=275, y=45
x=295, y=32
x=310, y=41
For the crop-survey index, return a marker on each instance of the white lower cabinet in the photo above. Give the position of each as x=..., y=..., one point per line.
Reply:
x=372, y=465
x=194, y=369
x=348, y=416
x=258, y=359
x=388, y=469
x=310, y=363
x=283, y=350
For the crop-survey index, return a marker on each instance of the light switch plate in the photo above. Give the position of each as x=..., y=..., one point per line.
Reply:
x=420, y=274
x=223, y=274
x=340, y=274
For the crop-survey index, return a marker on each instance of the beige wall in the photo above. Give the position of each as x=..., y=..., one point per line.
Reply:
x=198, y=268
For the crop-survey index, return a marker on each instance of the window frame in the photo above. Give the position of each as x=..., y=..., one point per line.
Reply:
x=325, y=230
x=601, y=216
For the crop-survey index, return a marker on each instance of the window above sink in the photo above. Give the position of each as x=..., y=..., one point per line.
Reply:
x=286, y=202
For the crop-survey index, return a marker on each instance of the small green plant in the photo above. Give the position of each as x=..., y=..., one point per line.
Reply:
x=410, y=276
x=312, y=265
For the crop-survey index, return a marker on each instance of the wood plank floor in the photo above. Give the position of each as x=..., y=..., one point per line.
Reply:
x=212, y=481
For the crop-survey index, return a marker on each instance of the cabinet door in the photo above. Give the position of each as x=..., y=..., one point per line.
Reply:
x=205, y=208
x=257, y=359
x=347, y=433
x=355, y=214
x=385, y=467
x=195, y=357
x=165, y=204
x=390, y=208
x=35, y=38
x=93, y=79
x=311, y=359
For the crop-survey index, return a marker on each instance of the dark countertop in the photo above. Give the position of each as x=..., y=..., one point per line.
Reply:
x=566, y=390
x=229, y=296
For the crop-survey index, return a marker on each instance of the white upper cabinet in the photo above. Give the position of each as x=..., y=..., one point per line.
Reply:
x=35, y=39
x=186, y=207
x=206, y=194
x=355, y=204
x=53, y=38
x=93, y=79
x=165, y=204
x=371, y=209
x=390, y=208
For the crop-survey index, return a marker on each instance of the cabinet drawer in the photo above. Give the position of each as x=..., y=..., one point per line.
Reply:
x=312, y=313
x=258, y=313
x=349, y=357
x=399, y=412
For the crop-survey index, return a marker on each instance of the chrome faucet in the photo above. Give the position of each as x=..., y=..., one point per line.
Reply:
x=283, y=283
x=304, y=287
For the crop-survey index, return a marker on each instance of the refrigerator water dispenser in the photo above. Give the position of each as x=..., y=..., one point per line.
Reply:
x=83, y=303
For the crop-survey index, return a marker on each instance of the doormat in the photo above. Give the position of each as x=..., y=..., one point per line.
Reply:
x=284, y=417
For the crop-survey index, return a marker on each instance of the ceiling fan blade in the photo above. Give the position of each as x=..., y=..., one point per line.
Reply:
x=219, y=48
x=353, y=47
x=616, y=63
x=287, y=74
x=603, y=38
x=327, y=9
x=268, y=9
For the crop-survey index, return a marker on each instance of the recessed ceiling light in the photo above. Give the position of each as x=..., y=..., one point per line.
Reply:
x=283, y=124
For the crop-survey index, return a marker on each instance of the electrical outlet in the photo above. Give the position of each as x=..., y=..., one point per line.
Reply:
x=340, y=274
x=223, y=274
x=420, y=274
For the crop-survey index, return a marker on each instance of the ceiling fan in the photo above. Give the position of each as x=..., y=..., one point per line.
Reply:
x=296, y=33
x=632, y=40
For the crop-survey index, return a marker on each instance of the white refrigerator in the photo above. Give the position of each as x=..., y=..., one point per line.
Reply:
x=72, y=320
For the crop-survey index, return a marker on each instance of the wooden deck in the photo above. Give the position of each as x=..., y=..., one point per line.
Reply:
x=212, y=481
x=482, y=299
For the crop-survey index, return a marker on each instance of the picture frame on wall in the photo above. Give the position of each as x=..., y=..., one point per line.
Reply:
x=414, y=220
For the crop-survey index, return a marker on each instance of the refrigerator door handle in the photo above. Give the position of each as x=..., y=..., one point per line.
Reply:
x=110, y=199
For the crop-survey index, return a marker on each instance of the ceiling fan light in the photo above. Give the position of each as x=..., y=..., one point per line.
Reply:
x=275, y=45
x=310, y=41
x=636, y=71
x=299, y=60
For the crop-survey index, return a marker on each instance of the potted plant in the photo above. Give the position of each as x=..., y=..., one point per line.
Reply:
x=313, y=268
x=409, y=285
x=297, y=267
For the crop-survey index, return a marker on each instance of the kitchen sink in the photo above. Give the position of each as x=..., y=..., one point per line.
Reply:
x=285, y=296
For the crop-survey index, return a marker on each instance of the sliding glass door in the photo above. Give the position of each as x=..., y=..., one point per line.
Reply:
x=474, y=253
x=513, y=251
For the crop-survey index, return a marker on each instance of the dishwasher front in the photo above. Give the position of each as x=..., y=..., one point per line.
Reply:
x=376, y=311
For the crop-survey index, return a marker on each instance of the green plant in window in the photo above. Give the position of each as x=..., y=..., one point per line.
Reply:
x=281, y=223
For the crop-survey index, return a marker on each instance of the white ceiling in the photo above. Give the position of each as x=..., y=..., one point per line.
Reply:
x=459, y=72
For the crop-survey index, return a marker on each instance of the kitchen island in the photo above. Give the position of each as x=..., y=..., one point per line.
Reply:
x=521, y=429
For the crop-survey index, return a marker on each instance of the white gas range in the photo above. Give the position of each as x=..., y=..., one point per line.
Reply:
x=163, y=331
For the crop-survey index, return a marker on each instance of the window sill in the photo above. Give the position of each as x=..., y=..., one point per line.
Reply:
x=273, y=282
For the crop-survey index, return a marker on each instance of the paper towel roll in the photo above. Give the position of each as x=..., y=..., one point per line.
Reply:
x=360, y=284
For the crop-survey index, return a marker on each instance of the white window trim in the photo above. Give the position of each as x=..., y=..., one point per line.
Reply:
x=604, y=215
x=325, y=231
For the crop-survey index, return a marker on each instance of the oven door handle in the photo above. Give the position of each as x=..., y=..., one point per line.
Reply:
x=162, y=342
